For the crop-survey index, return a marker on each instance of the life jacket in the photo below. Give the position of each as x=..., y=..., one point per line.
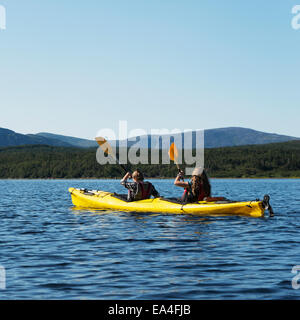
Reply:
x=143, y=191
x=189, y=197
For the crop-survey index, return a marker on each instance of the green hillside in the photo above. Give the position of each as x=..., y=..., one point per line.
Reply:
x=11, y=138
x=37, y=161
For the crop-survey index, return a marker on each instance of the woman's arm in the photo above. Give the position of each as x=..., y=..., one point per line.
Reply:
x=180, y=183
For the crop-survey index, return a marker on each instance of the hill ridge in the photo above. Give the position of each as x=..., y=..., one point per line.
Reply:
x=213, y=138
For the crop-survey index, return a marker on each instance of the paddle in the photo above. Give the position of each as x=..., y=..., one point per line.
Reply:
x=173, y=154
x=107, y=149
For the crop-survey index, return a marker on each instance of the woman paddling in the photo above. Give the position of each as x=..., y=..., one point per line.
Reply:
x=198, y=189
x=138, y=189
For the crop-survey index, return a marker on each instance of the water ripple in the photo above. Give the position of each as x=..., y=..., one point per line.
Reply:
x=52, y=251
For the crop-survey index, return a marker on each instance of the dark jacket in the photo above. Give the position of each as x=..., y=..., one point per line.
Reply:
x=140, y=190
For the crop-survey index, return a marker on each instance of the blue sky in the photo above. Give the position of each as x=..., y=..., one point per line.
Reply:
x=73, y=67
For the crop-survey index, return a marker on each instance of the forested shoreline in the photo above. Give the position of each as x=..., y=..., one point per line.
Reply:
x=276, y=160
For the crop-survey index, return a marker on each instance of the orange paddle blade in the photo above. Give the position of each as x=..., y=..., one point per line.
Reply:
x=105, y=146
x=173, y=153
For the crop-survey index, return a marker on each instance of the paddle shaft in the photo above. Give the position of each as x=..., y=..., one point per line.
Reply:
x=173, y=154
x=120, y=164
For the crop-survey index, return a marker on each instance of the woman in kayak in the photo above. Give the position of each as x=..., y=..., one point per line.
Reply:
x=138, y=189
x=198, y=189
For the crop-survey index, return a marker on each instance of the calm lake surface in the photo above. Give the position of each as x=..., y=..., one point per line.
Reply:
x=52, y=251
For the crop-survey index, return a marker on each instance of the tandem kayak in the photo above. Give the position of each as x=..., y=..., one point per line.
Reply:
x=95, y=199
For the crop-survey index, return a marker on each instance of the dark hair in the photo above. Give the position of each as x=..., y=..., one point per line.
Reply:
x=206, y=184
x=196, y=182
x=195, y=185
x=138, y=175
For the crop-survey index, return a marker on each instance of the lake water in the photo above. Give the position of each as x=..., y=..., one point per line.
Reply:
x=49, y=250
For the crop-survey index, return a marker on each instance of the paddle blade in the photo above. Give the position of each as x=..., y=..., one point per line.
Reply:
x=105, y=146
x=107, y=149
x=173, y=153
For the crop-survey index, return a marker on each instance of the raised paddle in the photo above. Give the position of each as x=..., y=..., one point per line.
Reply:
x=173, y=154
x=107, y=149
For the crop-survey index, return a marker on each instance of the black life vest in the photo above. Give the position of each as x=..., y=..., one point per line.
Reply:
x=143, y=191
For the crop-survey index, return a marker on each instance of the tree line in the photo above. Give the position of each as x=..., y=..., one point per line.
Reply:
x=276, y=160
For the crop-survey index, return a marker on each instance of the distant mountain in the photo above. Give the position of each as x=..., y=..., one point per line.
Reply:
x=76, y=142
x=10, y=138
x=214, y=138
x=236, y=136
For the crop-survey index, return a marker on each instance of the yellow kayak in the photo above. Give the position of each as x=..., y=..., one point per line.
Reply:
x=110, y=201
